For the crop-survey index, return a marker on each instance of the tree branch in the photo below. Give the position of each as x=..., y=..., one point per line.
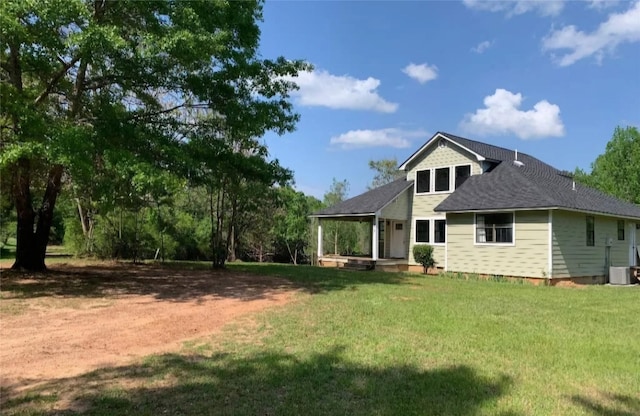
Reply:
x=55, y=79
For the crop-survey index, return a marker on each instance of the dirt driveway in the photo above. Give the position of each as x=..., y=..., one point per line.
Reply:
x=77, y=319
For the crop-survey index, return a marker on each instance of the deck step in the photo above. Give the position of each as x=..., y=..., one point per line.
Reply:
x=359, y=265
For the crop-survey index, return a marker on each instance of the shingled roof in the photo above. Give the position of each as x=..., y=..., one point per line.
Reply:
x=532, y=184
x=369, y=202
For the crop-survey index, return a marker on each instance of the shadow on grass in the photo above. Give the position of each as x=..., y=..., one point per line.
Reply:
x=111, y=280
x=265, y=384
x=320, y=279
x=182, y=281
x=612, y=405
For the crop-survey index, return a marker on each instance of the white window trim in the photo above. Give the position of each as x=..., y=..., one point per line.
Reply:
x=432, y=179
x=432, y=231
x=415, y=185
x=513, y=224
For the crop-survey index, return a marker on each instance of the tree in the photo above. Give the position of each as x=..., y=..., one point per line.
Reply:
x=617, y=172
x=386, y=172
x=341, y=234
x=292, y=223
x=86, y=84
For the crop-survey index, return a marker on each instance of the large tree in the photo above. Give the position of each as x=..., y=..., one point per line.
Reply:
x=90, y=84
x=386, y=171
x=617, y=170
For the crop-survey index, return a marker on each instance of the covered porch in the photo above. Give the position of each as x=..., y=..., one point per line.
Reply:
x=384, y=212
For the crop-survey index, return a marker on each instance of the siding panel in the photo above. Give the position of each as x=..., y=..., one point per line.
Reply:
x=399, y=208
x=423, y=205
x=571, y=255
x=527, y=258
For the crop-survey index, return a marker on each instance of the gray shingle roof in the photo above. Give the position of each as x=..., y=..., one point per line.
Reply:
x=533, y=185
x=369, y=202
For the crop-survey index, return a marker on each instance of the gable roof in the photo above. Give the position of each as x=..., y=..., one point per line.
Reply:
x=369, y=202
x=533, y=184
x=431, y=142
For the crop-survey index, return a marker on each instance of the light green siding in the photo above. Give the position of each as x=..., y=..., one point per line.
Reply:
x=571, y=255
x=528, y=257
x=423, y=205
x=398, y=209
x=438, y=157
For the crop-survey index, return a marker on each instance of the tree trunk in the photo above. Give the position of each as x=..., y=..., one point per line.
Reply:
x=31, y=244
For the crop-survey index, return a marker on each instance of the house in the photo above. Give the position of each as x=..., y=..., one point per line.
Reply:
x=491, y=211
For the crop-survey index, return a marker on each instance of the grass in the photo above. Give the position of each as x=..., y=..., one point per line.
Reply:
x=367, y=343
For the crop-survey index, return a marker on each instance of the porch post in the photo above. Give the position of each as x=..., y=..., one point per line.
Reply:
x=374, y=239
x=320, y=249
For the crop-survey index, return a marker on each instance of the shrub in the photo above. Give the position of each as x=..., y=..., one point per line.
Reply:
x=423, y=254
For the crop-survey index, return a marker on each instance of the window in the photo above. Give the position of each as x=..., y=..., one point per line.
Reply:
x=440, y=231
x=591, y=233
x=462, y=174
x=494, y=228
x=431, y=231
x=442, y=179
x=423, y=181
x=398, y=226
x=422, y=231
x=621, y=230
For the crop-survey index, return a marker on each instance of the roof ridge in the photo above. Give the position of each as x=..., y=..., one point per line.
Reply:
x=489, y=144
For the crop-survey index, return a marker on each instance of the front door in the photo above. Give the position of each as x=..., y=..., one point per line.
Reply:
x=397, y=240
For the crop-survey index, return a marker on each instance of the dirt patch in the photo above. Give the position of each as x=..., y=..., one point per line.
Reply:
x=77, y=319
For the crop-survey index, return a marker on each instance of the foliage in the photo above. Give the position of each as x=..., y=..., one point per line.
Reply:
x=93, y=89
x=342, y=236
x=292, y=222
x=423, y=253
x=386, y=172
x=616, y=171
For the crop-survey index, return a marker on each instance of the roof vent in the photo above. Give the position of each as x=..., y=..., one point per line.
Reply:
x=573, y=185
x=517, y=162
x=442, y=143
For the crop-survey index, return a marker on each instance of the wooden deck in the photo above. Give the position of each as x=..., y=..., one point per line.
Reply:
x=367, y=263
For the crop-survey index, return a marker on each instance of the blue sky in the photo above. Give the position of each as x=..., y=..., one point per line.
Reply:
x=551, y=79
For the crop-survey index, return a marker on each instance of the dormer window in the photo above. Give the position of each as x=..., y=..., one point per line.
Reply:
x=423, y=181
x=462, y=174
x=441, y=180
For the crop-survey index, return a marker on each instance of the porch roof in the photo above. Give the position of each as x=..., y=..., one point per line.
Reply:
x=367, y=203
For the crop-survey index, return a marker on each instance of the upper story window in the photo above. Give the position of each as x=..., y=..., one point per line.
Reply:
x=462, y=174
x=423, y=181
x=494, y=228
x=444, y=179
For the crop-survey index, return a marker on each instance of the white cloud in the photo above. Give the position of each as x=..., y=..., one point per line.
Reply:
x=482, y=46
x=516, y=7
x=320, y=88
x=422, y=73
x=502, y=115
x=392, y=137
x=618, y=28
x=602, y=4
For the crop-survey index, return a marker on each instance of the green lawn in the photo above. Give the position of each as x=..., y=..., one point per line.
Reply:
x=365, y=343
